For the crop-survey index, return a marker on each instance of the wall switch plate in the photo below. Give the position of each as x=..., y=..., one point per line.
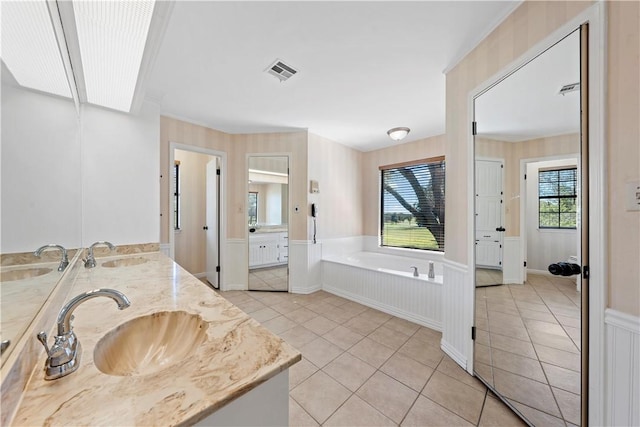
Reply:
x=633, y=196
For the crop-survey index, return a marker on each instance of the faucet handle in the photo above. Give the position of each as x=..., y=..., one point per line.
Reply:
x=42, y=337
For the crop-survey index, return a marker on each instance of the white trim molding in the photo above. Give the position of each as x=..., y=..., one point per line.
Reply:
x=234, y=273
x=456, y=319
x=305, y=270
x=622, y=377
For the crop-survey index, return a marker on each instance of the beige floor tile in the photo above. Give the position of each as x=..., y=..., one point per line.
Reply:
x=375, y=316
x=320, y=325
x=513, y=345
x=372, y=352
x=279, y=324
x=388, y=396
x=343, y=337
x=298, y=336
x=335, y=300
x=300, y=372
x=562, y=378
x=401, y=325
x=361, y=325
x=459, y=398
x=408, y=371
x=569, y=405
x=349, y=371
x=452, y=369
x=526, y=391
x=482, y=354
x=286, y=307
x=320, y=395
x=357, y=412
x=340, y=314
x=429, y=336
x=426, y=413
x=249, y=306
x=482, y=337
x=555, y=341
x=569, y=321
x=564, y=359
x=496, y=413
x=538, y=418
x=517, y=331
x=389, y=337
x=423, y=352
x=525, y=305
x=264, y=314
x=320, y=351
x=546, y=327
x=299, y=417
x=301, y=315
x=320, y=307
x=484, y=371
x=537, y=315
x=517, y=364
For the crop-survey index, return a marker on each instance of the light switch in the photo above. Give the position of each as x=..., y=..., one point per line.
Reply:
x=633, y=196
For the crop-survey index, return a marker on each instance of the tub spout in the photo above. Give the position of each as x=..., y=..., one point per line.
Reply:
x=415, y=271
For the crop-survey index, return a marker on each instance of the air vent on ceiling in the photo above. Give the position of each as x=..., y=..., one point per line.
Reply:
x=281, y=70
x=569, y=88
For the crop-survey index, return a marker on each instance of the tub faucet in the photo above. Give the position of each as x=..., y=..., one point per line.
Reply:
x=415, y=271
x=65, y=259
x=63, y=357
x=90, y=262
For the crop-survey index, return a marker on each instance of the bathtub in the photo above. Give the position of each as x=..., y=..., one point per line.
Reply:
x=386, y=283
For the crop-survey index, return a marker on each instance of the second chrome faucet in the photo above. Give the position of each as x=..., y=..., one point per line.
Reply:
x=90, y=262
x=63, y=357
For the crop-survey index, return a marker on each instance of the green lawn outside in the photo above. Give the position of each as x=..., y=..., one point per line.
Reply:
x=408, y=235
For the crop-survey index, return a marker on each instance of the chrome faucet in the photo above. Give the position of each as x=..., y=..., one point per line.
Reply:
x=90, y=262
x=63, y=357
x=65, y=259
x=415, y=271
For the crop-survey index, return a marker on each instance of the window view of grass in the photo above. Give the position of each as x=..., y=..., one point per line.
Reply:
x=407, y=234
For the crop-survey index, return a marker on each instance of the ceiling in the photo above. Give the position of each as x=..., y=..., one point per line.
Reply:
x=526, y=105
x=363, y=67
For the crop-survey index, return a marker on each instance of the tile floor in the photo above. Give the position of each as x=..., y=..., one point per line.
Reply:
x=364, y=367
x=528, y=346
x=269, y=279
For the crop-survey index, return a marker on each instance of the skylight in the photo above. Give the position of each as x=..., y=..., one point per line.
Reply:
x=29, y=47
x=112, y=36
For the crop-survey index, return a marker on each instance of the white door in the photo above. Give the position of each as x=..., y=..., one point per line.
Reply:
x=211, y=227
x=489, y=213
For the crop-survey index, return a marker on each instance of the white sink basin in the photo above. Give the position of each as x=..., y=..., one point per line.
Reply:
x=149, y=344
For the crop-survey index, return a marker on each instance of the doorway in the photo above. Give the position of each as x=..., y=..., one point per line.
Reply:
x=196, y=201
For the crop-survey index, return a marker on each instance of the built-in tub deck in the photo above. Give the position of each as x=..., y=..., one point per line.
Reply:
x=386, y=282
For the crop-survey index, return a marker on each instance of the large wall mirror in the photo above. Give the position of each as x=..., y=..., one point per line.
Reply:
x=528, y=218
x=268, y=222
x=41, y=200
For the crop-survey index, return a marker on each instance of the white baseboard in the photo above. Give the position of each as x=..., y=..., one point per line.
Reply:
x=429, y=323
x=458, y=357
x=305, y=290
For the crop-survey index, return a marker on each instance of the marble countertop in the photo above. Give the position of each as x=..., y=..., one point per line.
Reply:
x=237, y=355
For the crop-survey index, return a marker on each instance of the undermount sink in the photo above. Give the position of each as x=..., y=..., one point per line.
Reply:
x=149, y=344
x=124, y=262
x=28, y=273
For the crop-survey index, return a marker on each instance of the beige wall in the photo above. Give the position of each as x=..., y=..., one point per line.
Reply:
x=512, y=153
x=190, y=241
x=528, y=25
x=623, y=142
x=372, y=160
x=338, y=170
x=236, y=147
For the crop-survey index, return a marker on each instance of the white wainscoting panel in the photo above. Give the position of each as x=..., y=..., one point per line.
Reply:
x=235, y=271
x=415, y=300
x=305, y=274
x=457, y=309
x=512, y=261
x=622, y=379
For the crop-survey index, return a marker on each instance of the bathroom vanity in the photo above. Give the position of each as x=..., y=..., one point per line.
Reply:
x=221, y=366
x=268, y=247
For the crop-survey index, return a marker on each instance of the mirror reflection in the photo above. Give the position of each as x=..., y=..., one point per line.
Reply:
x=267, y=218
x=41, y=199
x=527, y=199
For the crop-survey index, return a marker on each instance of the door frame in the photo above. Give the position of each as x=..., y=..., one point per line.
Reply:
x=222, y=220
x=595, y=16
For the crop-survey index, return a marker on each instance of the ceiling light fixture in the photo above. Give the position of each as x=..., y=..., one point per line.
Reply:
x=398, y=133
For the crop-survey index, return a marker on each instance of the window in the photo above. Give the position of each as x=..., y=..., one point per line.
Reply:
x=557, y=198
x=252, y=210
x=412, y=205
x=176, y=196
